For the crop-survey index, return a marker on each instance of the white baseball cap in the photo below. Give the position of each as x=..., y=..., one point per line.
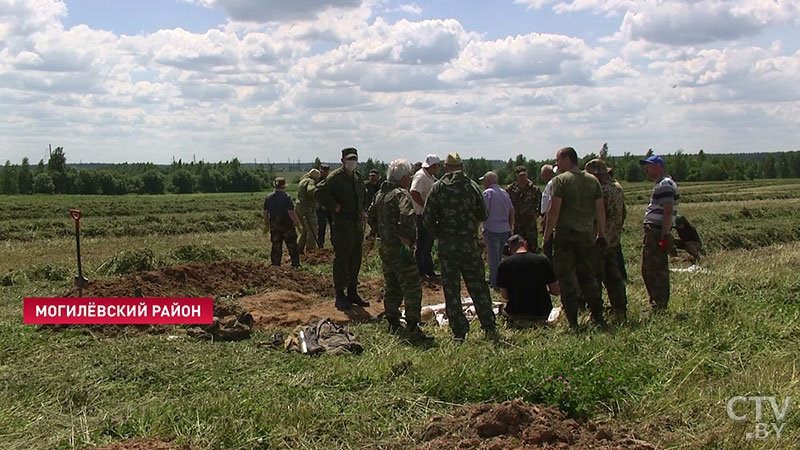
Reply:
x=431, y=160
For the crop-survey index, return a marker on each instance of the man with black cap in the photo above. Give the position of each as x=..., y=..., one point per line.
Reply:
x=373, y=185
x=526, y=280
x=526, y=198
x=324, y=217
x=658, y=219
x=343, y=193
x=452, y=211
x=280, y=220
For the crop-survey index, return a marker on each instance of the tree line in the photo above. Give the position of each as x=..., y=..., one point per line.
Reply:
x=680, y=165
x=56, y=177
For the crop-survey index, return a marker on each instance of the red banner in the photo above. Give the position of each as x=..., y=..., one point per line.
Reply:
x=157, y=310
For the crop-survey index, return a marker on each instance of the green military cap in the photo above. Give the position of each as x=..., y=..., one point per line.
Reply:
x=597, y=167
x=280, y=182
x=453, y=159
x=349, y=152
x=519, y=170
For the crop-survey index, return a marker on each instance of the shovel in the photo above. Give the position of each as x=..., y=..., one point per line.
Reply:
x=80, y=281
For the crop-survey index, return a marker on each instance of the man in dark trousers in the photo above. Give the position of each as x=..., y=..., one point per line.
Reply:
x=526, y=280
x=280, y=221
x=576, y=203
x=324, y=217
x=343, y=193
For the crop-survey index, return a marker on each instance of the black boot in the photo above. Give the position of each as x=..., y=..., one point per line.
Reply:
x=352, y=296
x=395, y=327
x=342, y=304
x=416, y=336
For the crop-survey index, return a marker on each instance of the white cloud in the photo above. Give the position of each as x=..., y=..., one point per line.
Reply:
x=539, y=58
x=263, y=11
x=684, y=22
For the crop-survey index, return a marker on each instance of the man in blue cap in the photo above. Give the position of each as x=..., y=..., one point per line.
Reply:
x=658, y=219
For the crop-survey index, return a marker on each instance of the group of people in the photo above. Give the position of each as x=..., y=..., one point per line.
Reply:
x=581, y=213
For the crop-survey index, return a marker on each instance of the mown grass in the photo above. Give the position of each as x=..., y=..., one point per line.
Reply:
x=731, y=331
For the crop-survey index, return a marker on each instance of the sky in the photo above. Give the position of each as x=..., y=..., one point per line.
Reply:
x=287, y=80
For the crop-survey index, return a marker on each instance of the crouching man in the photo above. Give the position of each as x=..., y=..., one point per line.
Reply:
x=526, y=280
x=392, y=216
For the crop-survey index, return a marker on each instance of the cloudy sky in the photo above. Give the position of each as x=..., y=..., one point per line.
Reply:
x=146, y=80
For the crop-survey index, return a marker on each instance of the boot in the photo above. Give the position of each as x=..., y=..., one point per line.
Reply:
x=342, y=304
x=395, y=327
x=352, y=296
x=415, y=335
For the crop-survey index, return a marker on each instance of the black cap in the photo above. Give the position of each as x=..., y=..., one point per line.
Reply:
x=349, y=151
x=375, y=171
x=324, y=167
x=515, y=240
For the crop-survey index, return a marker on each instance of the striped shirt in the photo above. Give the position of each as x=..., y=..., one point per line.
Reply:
x=664, y=192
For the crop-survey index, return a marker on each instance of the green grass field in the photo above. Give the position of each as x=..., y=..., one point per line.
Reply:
x=733, y=330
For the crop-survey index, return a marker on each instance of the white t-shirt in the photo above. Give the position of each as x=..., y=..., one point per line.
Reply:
x=546, y=196
x=422, y=183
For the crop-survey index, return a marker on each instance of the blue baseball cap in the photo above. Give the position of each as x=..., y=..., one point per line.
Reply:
x=653, y=159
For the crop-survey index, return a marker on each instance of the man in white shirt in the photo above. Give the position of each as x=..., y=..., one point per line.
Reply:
x=548, y=173
x=420, y=187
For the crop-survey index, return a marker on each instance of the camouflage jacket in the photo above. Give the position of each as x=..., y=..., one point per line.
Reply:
x=305, y=194
x=392, y=214
x=348, y=191
x=614, y=201
x=454, y=207
x=526, y=200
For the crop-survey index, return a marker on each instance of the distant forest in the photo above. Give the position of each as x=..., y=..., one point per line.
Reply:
x=55, y=176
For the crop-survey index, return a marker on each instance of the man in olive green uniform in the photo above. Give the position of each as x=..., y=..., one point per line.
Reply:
x=280, y=221
x=453, y=210
x=609, y=273
x=576, y=203
x=392, y=216
x=526, y=198
x=307, y=210
x=343, y=193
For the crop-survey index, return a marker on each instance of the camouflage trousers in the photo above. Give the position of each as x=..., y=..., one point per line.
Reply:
x=610, y=276
x=575, y=262
x=308, y=230
x=401, y=280
x=347, y=237
x=655, y=267
x=528, y=230
x=459, y=256
x=281, y=230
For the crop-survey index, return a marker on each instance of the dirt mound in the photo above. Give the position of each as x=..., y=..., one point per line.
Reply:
x=515, y=424
x=316, y=257
x=212, y=279
x=289, y=309
x=145, y=444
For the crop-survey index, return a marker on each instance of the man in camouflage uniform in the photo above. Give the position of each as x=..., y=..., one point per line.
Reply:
x=392, y=216
x=526, y=198
x=280, y=220
x=577, y=217
x=307, y=210
x=609, y=273
x=453, y=210
x=343, y=194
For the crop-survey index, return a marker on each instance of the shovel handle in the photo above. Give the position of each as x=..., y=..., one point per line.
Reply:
x=76, y=214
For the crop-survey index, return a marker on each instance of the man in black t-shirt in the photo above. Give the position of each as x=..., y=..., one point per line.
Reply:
x=527, y=281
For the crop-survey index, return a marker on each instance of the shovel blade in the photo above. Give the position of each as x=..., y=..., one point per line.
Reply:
x=81, y=282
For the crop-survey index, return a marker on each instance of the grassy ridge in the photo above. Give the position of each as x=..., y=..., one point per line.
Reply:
x=668, y=377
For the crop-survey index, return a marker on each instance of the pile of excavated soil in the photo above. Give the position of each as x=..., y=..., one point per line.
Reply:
x=145, y=444
x=287, y=297
x=212, y=279
x=516, y=424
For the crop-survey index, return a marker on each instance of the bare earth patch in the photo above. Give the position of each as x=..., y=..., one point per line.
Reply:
x=515, y=424
x=145, y=444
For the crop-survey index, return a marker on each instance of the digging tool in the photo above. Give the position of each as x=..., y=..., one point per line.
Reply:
x=80, y=281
